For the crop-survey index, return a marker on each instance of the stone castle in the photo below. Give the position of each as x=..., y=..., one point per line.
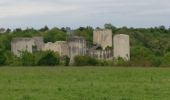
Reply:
x=105, y=45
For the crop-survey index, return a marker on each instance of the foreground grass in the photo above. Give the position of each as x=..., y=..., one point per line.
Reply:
x=86, y=83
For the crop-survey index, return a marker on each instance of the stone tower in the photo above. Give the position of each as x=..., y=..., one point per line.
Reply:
x=103, y=37
x=121, y=46
x=77, y=46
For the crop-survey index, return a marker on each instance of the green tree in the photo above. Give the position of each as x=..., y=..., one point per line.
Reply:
x=54, y=35
x=44, y=29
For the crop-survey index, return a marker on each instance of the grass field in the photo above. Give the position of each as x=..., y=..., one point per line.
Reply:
x=85, y=83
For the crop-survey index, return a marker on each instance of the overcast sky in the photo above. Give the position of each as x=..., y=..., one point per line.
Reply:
x=75, y=13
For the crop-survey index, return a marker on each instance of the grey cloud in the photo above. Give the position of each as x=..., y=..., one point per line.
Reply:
x=136, y=13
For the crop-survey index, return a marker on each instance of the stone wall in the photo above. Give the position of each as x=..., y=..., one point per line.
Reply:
x=59, y=46
x=22, y=44
x=101, y=54
x=103, y=37
x=39, y=42
x=77, y=46
x=122, y=46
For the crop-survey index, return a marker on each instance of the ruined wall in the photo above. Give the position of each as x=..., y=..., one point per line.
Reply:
x=59, y=46
x=77, y=46
x=122, y=46
x=103, y=37
x=101, y=54
x=39, y=42
x=22, y=44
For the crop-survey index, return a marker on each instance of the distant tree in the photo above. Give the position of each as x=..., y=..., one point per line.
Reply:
x=54, y=35
x=2, y=30
x=110, y=26
x=8, y=30
x=81, y=28
x=86, y=32
x=63, y=29
x=18, y=30
x=44, y=29
x=162, y=27
x=98, y=28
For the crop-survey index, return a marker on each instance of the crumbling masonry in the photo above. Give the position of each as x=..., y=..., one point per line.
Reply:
x=105, y=45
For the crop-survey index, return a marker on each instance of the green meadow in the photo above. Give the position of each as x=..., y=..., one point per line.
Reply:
x=84, y=83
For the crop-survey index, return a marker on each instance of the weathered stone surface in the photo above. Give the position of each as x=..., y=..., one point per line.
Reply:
x=121, y=46
x=103, y=37
x=77, y=46
x=59, y=46
x=22, y=44
x=39, y=42
x=101, y=54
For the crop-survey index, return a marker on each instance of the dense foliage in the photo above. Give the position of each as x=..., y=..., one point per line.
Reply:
x=85, y=61
x=2, y=58
x=149, y=46
x=49, y=58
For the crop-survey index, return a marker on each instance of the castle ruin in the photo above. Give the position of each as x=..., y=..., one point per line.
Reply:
x=105, y=45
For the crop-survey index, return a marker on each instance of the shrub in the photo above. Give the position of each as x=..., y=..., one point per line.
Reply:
x=121, y=62
x=105, y=62
x=166, y=60
x=49, y=58
x=85, y=61
x=27, y=59
x=2, y=58
x=66, y=61
x=141, y=56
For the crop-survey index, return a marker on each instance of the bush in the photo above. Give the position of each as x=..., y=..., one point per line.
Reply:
x=66, y=61
x=105, y=62
x=49, y=58
x=166, y=60
x=2, y=58
x=141, y=56
x=85, y=61
x=157, y=61
x=27, y=59
x=121, y=62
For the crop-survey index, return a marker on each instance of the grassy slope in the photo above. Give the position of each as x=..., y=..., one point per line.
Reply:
x=87, y=83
